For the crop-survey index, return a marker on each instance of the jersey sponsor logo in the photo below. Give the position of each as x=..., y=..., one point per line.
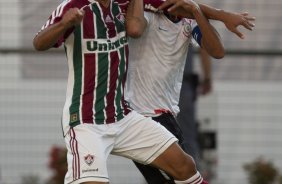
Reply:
x=104, y=45
x=89, y=159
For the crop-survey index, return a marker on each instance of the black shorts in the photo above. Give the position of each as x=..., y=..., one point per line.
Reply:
x=170, y=123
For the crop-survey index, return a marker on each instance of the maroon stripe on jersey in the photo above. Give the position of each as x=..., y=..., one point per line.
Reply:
x=110, y=108
x=88, y=26
x=109, y=21
x=89, y=84
x=114, y=66
x=89, y=70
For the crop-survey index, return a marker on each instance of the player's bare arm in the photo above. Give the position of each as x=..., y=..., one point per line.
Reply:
x=135, y=21
x=46, y=38
x=210, y=39
x=232, y=20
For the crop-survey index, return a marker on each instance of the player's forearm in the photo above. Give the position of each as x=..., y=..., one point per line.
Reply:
x=47, y=38
x=210, y=38
x=213, y=13
x=135, y=21
x=205, y=64
x=209, y=12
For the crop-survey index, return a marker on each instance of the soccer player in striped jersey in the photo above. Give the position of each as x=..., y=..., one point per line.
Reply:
x=157, y=62
x=96, y=120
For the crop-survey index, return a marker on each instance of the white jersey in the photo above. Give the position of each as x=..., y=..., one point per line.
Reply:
x=156, y=64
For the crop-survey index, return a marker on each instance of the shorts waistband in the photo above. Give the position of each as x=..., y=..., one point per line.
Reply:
x=162, y=111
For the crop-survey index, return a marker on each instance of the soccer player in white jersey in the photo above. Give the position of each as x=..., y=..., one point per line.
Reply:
x=157, y=62
x=96, y=119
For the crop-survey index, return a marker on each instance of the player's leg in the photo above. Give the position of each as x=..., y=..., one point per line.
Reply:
x=186, y=117
x=152, y=174
x=146, y=141
x=88, y=149
x=171, y=124
x=178, y=164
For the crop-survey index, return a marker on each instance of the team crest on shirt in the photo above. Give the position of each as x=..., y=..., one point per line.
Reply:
x=187, y=28
x=74, y=117
x=89, y=159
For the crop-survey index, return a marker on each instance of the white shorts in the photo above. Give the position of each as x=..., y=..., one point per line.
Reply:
x=136, y=137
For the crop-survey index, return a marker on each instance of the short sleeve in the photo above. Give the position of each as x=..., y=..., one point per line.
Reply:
x=57, y=16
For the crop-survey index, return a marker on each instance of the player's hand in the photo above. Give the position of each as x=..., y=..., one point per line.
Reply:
x=152, y=5
x=180, y=8
x=233, y=20
x=72, y=17
x=205, y=87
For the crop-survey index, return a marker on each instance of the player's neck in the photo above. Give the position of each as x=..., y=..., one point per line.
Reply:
x=105, y=3
x=172, y=18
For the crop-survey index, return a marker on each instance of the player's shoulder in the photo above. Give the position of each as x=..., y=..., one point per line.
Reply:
x=79, y=3
x=150, y=15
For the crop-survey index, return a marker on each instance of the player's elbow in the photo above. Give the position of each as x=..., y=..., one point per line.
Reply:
x=135, y=28
x=218, y=53
x=134, y=32
x=38, y=45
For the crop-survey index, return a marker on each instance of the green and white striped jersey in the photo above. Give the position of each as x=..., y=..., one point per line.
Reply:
x=97, y=54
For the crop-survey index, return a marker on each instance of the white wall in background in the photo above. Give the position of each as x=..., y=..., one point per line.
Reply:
x=249, y=125
x=10, y=18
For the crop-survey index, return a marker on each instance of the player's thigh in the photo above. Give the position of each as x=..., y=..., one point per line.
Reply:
x=173, y=160
x=143, y=139
x=88, y=150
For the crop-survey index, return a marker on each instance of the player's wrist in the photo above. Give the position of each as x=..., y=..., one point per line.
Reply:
x=195, y=8
x=223, y=15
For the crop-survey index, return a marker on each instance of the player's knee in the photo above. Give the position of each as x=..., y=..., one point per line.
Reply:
x=186, y=169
